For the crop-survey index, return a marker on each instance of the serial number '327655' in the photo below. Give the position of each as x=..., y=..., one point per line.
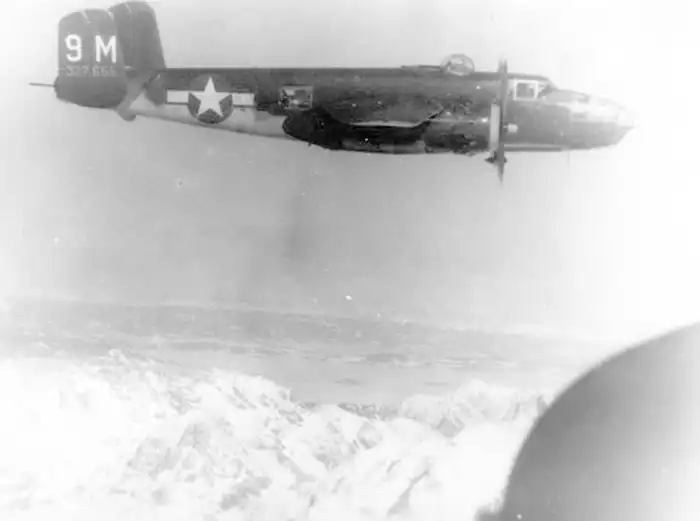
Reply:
x=100, y=71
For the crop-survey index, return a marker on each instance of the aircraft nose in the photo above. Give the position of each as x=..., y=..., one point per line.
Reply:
x=626, y=119
x=608, y=120
x=597, y=121
x=606, y=111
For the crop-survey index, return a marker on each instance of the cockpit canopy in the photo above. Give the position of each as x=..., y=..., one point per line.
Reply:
x=458, y=65
x=521, y=87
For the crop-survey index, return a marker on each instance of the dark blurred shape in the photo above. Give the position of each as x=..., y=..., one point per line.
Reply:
x=622, y=443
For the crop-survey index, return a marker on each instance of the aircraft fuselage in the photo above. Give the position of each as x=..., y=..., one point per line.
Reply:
x=113, y=59
x=357, y=108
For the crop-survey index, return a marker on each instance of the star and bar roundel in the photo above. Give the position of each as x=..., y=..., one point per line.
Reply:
x=210, y=99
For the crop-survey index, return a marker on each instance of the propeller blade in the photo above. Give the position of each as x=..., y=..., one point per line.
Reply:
x=498, y=122
x=503, y=103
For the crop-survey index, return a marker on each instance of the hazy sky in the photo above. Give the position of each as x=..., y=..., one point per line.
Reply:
x=610, y=235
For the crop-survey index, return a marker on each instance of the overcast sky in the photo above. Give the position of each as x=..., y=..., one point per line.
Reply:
x=637, y=204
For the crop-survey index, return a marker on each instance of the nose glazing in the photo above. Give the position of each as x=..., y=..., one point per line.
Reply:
x=606, y=111
x=626, y=118
x=596, y=122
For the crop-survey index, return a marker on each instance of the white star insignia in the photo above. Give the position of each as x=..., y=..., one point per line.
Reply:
x=210, y=99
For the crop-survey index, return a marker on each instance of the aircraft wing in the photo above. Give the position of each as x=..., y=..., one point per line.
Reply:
x=345, y=117
x=371, y=121
x=533, y=147
x=377, y=109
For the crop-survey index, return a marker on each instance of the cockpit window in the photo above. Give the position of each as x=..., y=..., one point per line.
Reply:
x=530, y=88
x=525, y=90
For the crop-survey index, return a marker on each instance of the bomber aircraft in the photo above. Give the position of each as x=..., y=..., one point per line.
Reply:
x=113, y=59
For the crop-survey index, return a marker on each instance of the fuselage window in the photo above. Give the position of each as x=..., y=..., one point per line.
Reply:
x=296, y=97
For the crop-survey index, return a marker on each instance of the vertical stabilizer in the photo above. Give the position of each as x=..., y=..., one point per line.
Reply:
x=99, y=50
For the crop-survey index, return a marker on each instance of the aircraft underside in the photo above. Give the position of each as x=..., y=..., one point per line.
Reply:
x=441, y=133
x=318, y=127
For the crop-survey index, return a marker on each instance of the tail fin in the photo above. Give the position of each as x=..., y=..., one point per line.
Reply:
x=99, y=50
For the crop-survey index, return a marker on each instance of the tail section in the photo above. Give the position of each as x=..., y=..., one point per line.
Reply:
x=101, y=49
x=139, y=36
